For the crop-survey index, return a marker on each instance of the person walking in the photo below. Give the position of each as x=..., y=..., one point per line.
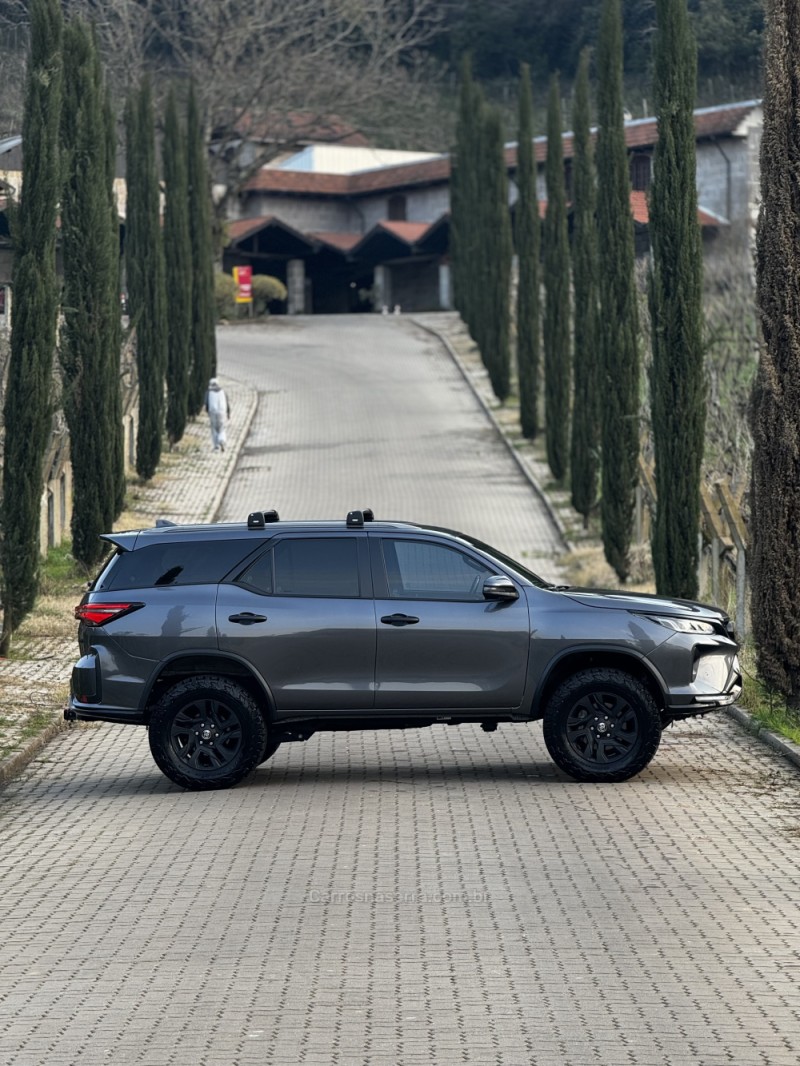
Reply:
x=219, y=411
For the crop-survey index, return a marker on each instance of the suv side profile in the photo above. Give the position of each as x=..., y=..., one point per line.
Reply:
x=228, y=640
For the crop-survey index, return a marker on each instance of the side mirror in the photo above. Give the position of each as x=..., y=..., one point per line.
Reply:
x=499, y=588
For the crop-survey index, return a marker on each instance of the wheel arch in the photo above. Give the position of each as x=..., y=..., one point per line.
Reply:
x=572, y=661
x=190, y=664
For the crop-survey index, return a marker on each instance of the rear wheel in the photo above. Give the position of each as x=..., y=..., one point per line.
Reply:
x=207, y=732
x=602, y=725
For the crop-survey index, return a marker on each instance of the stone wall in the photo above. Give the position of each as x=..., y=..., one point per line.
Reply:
x=306, y=214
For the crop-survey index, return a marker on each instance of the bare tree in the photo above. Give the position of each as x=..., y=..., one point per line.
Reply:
x=270, y=73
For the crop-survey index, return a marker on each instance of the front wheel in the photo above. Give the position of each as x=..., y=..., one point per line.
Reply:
x=602, y=725
x=207, y=732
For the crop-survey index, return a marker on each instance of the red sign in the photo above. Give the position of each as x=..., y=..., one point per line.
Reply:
x=243, y=276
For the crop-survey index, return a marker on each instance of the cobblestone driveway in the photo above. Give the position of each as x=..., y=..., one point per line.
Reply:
x=371, y=412
x=424, y=897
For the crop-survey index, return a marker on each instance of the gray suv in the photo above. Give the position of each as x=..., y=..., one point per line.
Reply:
x=229, y=640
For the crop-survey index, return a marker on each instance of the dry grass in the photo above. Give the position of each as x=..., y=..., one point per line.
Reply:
x=130, y=519
x=53, y=616
x=586, y=567
x=767, y=707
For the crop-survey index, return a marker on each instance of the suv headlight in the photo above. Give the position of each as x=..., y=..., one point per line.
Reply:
x=684, y=625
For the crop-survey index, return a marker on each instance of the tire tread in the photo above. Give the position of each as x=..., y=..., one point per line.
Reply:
x=602, y=678
x=159, y=736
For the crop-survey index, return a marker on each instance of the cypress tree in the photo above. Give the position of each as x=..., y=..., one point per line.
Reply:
x=113, y=324
x=775, y=411
x=466, y=203
x=133, y=213
x=203, y=338
x=88, y=263
x=619, y=323
x=678, y=395
x=28, y=409
x=177, y=239
x=146, y=282
x=557, y=302
x=527, y=227
x=458, y=235
x=585, y=448
x=478, y=277
x=496, y=257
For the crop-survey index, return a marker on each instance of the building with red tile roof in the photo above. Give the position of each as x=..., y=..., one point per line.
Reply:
x=380, y=231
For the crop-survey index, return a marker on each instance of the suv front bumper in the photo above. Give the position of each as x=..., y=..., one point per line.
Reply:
x=715, y=682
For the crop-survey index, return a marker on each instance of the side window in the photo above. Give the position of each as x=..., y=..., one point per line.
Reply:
x=259, y=575
x=419, y=570
x=318, y=566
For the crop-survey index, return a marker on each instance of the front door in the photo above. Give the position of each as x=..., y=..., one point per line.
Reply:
x=303, y=615
x=441, y=645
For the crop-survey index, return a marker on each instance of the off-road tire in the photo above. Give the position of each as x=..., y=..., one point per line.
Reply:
x=602, y=725
x=207, y=732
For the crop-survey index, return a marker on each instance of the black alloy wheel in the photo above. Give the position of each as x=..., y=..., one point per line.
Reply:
x=207, y=732
x=602, y=725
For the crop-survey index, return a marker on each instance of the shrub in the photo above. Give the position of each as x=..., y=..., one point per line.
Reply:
x=225, y=295
x=266, y=289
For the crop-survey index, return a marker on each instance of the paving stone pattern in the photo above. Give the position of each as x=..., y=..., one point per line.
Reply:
x=437, y=896
x=396, y=898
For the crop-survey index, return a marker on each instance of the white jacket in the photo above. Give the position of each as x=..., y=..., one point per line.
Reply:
x=217, y=402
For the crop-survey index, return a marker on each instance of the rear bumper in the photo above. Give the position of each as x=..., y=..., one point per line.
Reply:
x=75, y=711
x=100, y=690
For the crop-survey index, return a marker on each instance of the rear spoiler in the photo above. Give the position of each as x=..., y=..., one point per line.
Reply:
x=125, y=542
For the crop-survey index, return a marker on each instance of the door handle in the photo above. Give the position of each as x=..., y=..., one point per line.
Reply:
x=399, y=620
x=247, y=618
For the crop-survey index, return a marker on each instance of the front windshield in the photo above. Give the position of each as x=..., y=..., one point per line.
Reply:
x=498, y=556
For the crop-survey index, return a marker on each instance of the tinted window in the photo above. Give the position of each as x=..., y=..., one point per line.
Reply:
x=419, y=570
x=315, y=567
x=104, y=576
x=259, y=574
x=175, y=563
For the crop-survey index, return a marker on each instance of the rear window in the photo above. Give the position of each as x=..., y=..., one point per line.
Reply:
x=177, y=563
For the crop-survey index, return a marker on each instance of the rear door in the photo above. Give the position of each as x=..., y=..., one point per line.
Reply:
x=303, y=615
x=441, y=645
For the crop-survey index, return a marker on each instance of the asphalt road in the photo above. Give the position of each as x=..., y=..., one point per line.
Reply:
x=426, y=897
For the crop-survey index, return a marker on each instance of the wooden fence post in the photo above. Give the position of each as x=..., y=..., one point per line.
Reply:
x=716, y=537
x=739, y=535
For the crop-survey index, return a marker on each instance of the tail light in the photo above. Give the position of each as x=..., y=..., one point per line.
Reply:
x=97, y=614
